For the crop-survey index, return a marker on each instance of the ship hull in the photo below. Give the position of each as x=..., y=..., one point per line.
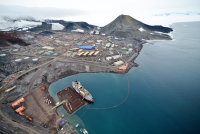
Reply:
x=84, y=98
x=89, y=100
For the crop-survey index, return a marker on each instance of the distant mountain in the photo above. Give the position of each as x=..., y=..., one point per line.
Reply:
x=68, y=25
x=126, y=26
x=123, y=26
x=32, y=25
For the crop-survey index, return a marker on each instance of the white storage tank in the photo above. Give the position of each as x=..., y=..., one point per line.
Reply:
x=108, y=58
x=35, y=59
x=26, y=58
x=118, y=63
x=130, y=49
x=2, y=55
x=116, y=57
x=99, y=41
x=15, y=50
x=18, y=60
x=108, y=45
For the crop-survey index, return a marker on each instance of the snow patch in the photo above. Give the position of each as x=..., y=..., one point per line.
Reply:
x=57, y=26
x=78, y=30
x=159, y=32
x=141, y=29
x=21, y=25
x=25, y=29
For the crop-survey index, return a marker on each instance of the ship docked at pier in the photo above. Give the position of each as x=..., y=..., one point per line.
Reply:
x=82, y=91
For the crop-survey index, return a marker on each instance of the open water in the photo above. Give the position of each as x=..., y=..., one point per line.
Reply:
x=164, y=90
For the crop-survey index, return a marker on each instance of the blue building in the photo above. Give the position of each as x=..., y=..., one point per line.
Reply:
x=86, y=47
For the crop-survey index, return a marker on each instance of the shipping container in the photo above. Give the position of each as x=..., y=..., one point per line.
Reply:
x=20, y=109
x=18, y=102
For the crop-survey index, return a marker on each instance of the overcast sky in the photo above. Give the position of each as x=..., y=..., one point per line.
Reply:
x=104, y=11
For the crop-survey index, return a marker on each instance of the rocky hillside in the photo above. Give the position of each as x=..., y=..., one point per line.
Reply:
x=126, y=26
x=72, y=25
x=42, y=27
x=7, y=38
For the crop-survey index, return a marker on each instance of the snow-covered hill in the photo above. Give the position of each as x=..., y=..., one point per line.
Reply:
x=33, y=25
x=19, y=25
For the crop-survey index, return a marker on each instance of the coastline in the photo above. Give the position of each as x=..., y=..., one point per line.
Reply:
x=5, y=117
x=58, y=70
x=53, y=70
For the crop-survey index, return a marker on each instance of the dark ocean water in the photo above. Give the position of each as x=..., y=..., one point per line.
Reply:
x=164, y=90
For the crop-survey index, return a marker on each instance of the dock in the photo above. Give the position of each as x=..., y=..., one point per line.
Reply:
x=58, y=105
x=73, y=100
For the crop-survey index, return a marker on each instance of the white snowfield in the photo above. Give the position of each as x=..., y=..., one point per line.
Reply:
x=159, y=32
x=57, y=26
x=166, y=21
x=9, y=25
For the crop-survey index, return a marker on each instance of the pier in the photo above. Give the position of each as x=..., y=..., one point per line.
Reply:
x=58, y=105
x=73, y=100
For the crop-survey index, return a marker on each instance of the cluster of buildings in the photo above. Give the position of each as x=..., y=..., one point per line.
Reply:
x=77, y=44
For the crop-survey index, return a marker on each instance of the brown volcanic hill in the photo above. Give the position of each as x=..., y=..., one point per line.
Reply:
x=11, y=37
x=126, y=26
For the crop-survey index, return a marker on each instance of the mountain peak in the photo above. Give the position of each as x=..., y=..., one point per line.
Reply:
x=126, y=26
x=125, y=22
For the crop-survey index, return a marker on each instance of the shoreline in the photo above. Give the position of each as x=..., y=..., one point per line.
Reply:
x=51, y=70
x=51, y=74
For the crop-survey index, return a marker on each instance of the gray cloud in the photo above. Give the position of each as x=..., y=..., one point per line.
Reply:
x=38, y=12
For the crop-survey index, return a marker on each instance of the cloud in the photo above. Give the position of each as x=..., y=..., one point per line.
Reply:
x=7, y=18
x=39, y=12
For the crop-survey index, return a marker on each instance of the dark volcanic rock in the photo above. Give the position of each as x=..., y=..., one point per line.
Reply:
x=11, y=37
x=42, y=27
x=159, y=28
x=77, y=25
x=46, y=33
x=72, y=25
x=67, y=24
x=126, y=26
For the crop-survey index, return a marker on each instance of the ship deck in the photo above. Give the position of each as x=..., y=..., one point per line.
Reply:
x=73, y=100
